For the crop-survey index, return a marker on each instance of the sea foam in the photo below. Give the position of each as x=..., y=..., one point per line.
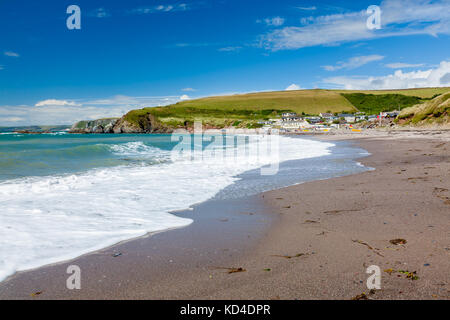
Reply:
x=49, y=219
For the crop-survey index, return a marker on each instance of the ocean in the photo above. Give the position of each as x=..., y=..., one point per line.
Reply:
x=64, y=195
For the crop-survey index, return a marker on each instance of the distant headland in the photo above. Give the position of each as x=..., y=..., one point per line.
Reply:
x=286, y=110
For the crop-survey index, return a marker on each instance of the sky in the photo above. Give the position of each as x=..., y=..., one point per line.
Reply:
x=138, y=53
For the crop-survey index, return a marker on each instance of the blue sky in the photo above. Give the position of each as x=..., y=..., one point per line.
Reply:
x=137, y=53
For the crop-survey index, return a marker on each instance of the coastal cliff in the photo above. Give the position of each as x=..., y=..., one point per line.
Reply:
x=94, y=126
x=145, y=123
x=252, y=111
x=142, y=123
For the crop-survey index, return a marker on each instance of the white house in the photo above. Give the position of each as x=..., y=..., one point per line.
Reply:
x=289, y=114
x=295, y=124
x=276, y=121
x=326, y=115
x=349, y=118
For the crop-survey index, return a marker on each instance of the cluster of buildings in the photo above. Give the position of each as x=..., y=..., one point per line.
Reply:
x=323, y=122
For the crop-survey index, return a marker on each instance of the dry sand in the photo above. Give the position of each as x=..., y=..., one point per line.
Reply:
x=310, y=241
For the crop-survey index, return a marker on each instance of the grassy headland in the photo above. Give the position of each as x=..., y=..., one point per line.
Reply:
x=435, y=111
x=300, y=101
x=245, y=110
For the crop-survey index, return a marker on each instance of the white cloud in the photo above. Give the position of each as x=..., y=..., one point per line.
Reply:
x=399, y=18
x=51, y=114
x=293, y=87
x=445, y=79
x=312, y=8
x=230, y=49
x=54, y=102
x=184, y=97
x=57, y=112
x=132, y=102
x=401, y=65
x=194, y=45
x=306, y=20
x=354, y=62
x=275, y=21
x=188, y=89
x=161, y=8
x=11, y=54
x=12, y=119
x=164, y=8
x=100, y=13
x=438, y=77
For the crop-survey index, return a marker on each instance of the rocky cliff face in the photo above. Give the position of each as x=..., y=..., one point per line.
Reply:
x=123, y=126
x=94, y=126
x=145, y=124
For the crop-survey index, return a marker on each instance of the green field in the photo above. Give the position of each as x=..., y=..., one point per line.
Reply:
x=307, y=101
x=420, y=92
x=243, y=110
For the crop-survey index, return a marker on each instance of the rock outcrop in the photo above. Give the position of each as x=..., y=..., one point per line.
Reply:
x=124, y=126
x=146, y=123
x=138, y=121
x=94, y=126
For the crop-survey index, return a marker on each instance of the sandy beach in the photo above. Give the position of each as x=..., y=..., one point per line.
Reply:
x=309, y=241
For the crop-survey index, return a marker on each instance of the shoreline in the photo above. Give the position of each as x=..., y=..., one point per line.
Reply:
x=159, y=255
x=289, y=230
x=188, y=198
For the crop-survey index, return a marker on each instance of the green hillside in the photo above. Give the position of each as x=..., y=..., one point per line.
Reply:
x=419, y=92
x=435, y=111
x=376, y=103
x=244, y=110
x=307, y=101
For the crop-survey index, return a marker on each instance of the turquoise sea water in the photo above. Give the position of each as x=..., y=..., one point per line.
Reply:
x=23, y=155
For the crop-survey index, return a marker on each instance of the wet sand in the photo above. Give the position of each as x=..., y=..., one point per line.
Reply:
x=309, y=241
x=164, y=265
